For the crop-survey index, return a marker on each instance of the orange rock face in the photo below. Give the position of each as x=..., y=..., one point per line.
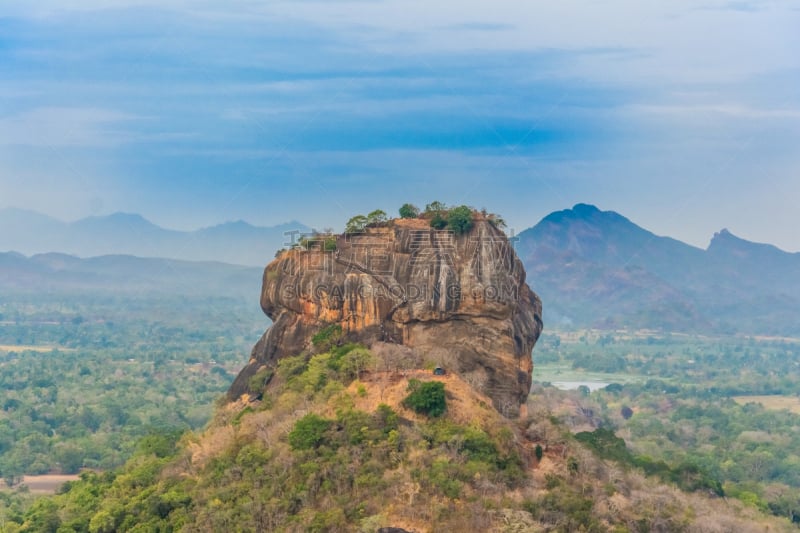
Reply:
x=460, y=301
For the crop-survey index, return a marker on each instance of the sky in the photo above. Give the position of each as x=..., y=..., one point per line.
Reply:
x=683, y=116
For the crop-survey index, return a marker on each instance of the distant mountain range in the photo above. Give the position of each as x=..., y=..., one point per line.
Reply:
x=592, y=268
x=56, y=273
x=238, y=242
x=597, y=268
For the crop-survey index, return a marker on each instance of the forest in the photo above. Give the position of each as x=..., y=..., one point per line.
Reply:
x=86, y=376
x=91, y=380
x=729, y=405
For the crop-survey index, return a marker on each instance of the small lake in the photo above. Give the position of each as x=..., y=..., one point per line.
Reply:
x=565, y=377
x=573, y=385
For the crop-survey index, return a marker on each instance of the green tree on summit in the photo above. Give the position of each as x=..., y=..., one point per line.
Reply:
x=376, y=217
x=459, y=219
x=356, y=224
x=409, y=211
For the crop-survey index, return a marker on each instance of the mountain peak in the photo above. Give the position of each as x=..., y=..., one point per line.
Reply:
x=582, y=213
x=585, y=209
x=421, y=323
x=129, y=220
x=726, y=242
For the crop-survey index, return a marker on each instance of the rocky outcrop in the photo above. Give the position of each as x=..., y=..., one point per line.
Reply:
x=460, y=301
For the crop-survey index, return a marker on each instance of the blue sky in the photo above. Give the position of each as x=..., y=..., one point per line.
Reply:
x=683, y=116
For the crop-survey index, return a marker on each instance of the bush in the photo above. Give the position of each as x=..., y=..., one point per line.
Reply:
x=356, y=224
x=409, y=211
x=626, y=412
x=426, y=398
x=327, y=337
x=308, y=432
x=438, y=221
x=435, y=207
x=459, y=219
x=259, y=380
x=161, y=442
x=376, y=217
x=606, y=444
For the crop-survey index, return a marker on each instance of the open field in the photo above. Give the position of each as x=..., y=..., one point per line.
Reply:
x=774, y=402
x=45, y=484
x=16, y=348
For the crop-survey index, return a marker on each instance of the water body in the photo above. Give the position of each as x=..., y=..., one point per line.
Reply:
x=573, y=385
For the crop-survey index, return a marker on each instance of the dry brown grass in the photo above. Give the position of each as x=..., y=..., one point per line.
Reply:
x=464, y=404
x=44, y=484
x=619, y=495
x=774, y=402
x=16, y=348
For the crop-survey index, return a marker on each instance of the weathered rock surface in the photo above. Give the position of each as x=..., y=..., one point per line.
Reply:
x=458, y=300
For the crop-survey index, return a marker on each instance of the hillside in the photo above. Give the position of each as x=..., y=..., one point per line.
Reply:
x=349, y=456
x=598, y=269
x=369, y=408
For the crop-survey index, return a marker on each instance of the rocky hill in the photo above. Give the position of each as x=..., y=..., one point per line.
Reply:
x=338, y=422
x=596, y=268
x=329, y=448
x=459, y=301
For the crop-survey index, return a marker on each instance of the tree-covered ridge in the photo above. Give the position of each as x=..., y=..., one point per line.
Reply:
x=458, y=219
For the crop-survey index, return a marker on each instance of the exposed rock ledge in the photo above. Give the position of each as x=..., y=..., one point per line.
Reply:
x=458, y=300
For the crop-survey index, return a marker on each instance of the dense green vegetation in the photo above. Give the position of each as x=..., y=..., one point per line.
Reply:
x=426, y=398
x=131, y=377
x=357, y=223
x=409, y=211
x=325, y=474
x=321, y=451
x=677, y=412
x=459, y=219
x=122, y=367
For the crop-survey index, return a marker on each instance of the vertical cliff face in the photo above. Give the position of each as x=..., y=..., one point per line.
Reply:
x=460, y=301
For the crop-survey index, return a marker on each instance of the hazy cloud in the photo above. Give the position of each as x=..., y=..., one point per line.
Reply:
x=60, y=127
x=682, y=114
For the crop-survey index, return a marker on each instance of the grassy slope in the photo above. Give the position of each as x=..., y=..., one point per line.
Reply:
x=373, y=463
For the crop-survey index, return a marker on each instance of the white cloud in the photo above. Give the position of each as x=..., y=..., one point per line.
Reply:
x=731, y=110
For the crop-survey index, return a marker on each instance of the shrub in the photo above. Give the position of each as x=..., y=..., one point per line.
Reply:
x=327, y=337
x=308, y=432
x=161, y=442
x=626, y=412
x=409, y=211
x=606, y=444
x=480, y=447
x=496, y=221
x=459, y=219
x=356, y=224
x=259, y=380
x=438, y=221
x=435, y=207
x=426, y=398
x=376, y=217
x=386, y=419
